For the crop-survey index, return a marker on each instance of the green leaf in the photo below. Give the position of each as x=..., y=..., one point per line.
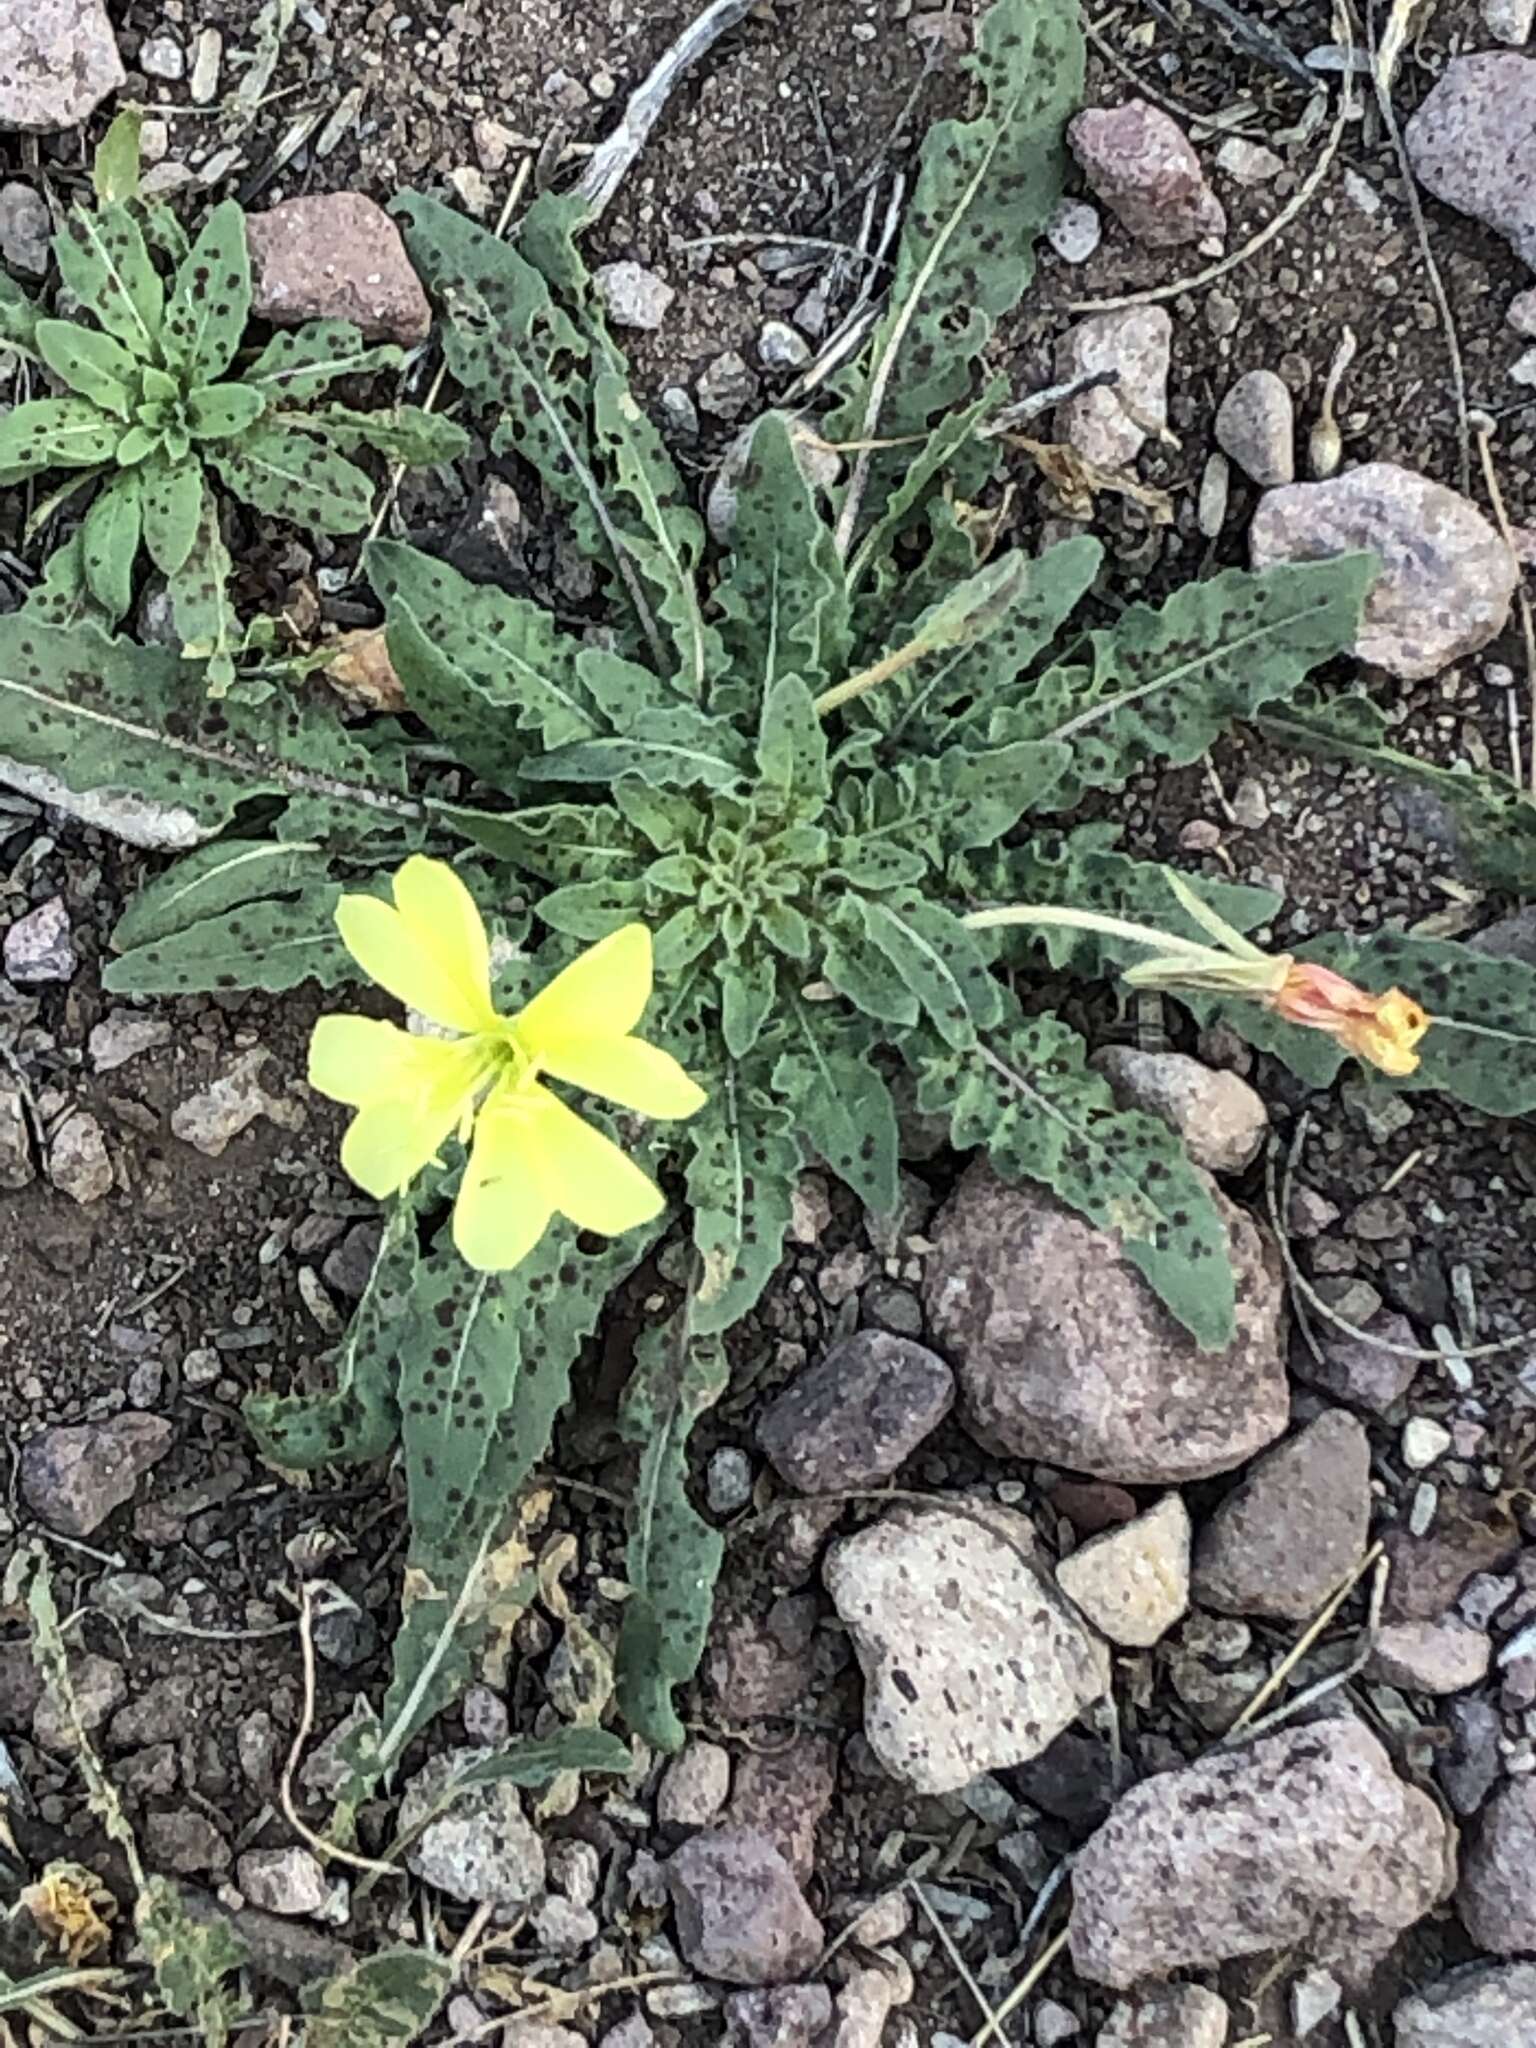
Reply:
x=92, y=364
x=841, y=1103
x=676, y=746
x=591, y=910
x=19, y=317
x=360, y=1420
x=748, y=985
x=103, y=714
x=171, y=500
x=479, y=667
x=63, y=598
x=860, y=970
x=109, y=541
x=792, y=749
x=290, y=475
x=1026, y=1095
x=214, y=879
x=115, y=167
x=210, y=299
x=271, y=946
x=386, y=2000
x=200, y=600
x=985, y=189
x=937, y=959
x=298, y=363
x=217, y=412
x=674, y=1555
x=1164, y=683
x=783, y=600
x=531, y=1761
x=743, y=1161
x=190, y=1958
x=1495, y=817
x=55, y=433
x=103, y=261
x=405, y=433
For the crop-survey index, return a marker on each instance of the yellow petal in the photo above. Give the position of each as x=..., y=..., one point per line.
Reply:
x=354, y=1059
x=429, y=949
x=604, y=990
x=394, y=1134
x=629, y=1072
x=502, y=1210
x=584, y=1174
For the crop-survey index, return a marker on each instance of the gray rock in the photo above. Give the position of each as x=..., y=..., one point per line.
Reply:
x=781, y=348
x=40, y=947
x=1436, y=1657
x=349, y=1265
x=1509, y=21
x=564, y=1929
x=99, y=1687
x=1108, y=425
x=122, y=1036
x=21, y=1686
x=761, y=1664
x=336, y=256
x=481, y=1847
x=25, y=229
x=1064, y=1354
x=694, y=1786
x=1306, y=1839
x=184, y=1842
x=79, y=1164
x=1074, y=230
x=857, y=1416
x=74, y=1475
x=783, y=1793
x=58, y=61
x=1133, y=1582
x=1289, y=1534
x=1248, y=163
x=162, y=57
x=215, y=1116
x=1315, y=1997
x=633, y=296
x=1222, y=1121
x=1138, y=160
x=971, y=1659
x=1497, y=1893
x=1447, y=576
x=1472, y=143
x=1485, y=2006
x=1354, y=1370
x=740, y=1915
x=679, y=410
x=17, y=1166
x=789, y=2016
x=287, y=1882
x=728, y=1481
x=726, y=387
x=1256, y=426
x=1173, y=2016
x=1468, y=1766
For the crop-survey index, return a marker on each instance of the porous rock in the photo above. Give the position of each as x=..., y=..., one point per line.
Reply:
x=1220, y=1118
x=741, y=1916
x=1108, y=424
x=74, y=1475
x=1472, y=143
x=1139, y=161
x=1497, y=1893
x=1133, y=1582
x=481, y=1848
x=1484, y=2006
x=58, y=61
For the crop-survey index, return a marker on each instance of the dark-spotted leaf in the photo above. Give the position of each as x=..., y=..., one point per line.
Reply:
x=171, y=498
x=210, y=299
x=200, y=600
x=842, y=1105
x=56, y=433
x=290, y=475
x=103, y=260
x=298, y=363
x=19, y=316
x=937, y=959
x=743, y=1159
x=93, y=364
x=109, y=541
x=405, y=433
x=217, y=412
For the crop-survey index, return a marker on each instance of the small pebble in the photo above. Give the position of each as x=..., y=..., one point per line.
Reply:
x=1074, y=230
x=1249, y=163
x=780, y=348
x=1424, y=1440
x=728, y=1481
x=162, y=57
x=40, y=946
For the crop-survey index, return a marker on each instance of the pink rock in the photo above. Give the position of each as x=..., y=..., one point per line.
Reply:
x=58, y=61
x=1139, y=162
x=1473, y=143
x=336, y=256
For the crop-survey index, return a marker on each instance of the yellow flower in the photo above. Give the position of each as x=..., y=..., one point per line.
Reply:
x=1382, y=1029
x=530, y=1154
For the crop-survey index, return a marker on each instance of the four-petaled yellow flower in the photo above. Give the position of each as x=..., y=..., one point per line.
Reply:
x=530, y=1154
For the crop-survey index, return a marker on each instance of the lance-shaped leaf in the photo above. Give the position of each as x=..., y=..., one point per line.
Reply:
x=1081, y=871
x=299, y=363
x=63, y=598
x=92, y=364
x=749, y=982
x=1480, y=1048
x=103, y=260
x=1165, y=682
x=1027, y=1096
x=674, y=1555
x=386, y=2000
x=210, y=299
x=290, y=475
x=937, y=959
x=109, y=541
x=104, y=714
x=842, y=1106
x=405, y=433
x=217, y=412
x=55, y=433
x=782, y=598
x=672, y=747
x=171, y=501
x=533, y=1760
x=268, y=945
x=478, y=666
x=200, y=602
x=792, y=750
x=359, y=1419
x=562, y=843
x=115, y=166
x=742, y=1162
x=1495, y=817
x=985, y=189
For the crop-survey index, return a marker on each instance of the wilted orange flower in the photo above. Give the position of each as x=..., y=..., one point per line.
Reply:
x=1383, y=1029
